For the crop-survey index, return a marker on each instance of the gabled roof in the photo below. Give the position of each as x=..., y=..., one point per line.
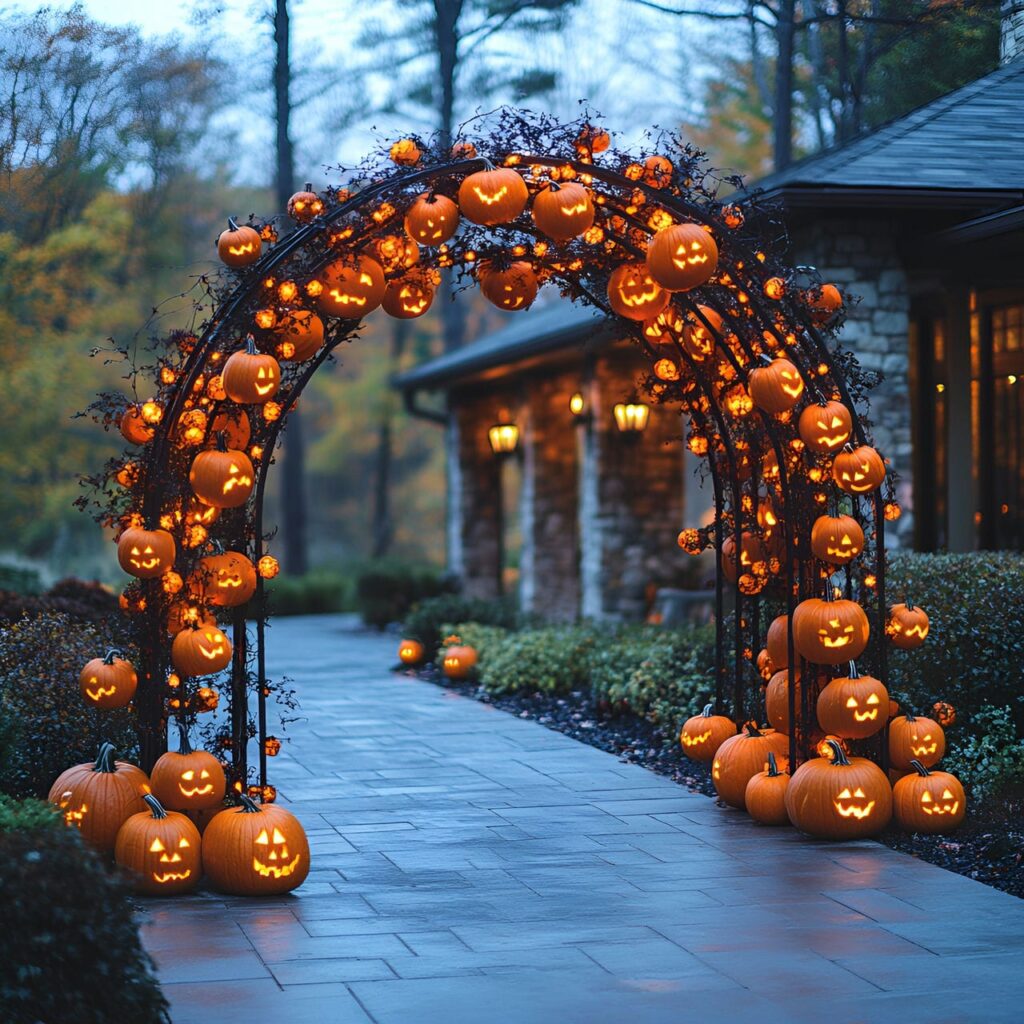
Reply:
x=970, y=139
x=534, y=332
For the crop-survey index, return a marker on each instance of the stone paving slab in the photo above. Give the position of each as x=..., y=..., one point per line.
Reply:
x=471, y=866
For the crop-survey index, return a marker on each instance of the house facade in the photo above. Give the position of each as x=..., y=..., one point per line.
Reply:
x=922, y=220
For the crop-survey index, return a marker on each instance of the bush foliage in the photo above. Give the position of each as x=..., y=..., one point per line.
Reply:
x=320, y=592
x=385, y=591
x=430, y=620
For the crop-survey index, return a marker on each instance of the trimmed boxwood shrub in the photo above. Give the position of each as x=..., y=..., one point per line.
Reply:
x=320, y=592
x=552, y=660
x=427, y=621
x=386, y=591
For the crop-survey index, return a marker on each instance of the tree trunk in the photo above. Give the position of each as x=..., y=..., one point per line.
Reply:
x=783, y=136
x=293, y=462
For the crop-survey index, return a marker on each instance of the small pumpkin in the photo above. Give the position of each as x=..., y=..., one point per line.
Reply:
x=352, y=287
x=133, y=427
x=634, y=294
x=200, y=650
x=405, y=153
x=945, y=713
x=776, y=699
x=859, y=470
x=222, y=476
x=495, y=195
x=830, y=632
x=395, y=252
x=915, y=739
x=410, y=652
x=907, y=626
x=239, y=246
x=682, y=256
x=407, y=297
x=765, y=666
x=742, y=756
x=161, y=850
x=251, y=377
x=255, y=850
x=929, y=802
x=459, y=660
x=510, y=288
x=752, y=554
x=825, y=426
x=301, y=334
x=145, y=554
x=765, y=795
x=699, y=339
x=837, y=540
x=823, y=301
x=188, y=779
x=777, y=643
x=777, y=387
x=563, y=211
x=702, y=735
x=181, y=614
x=853, y=706
x=225, y=580
x=432, y=219
x=657, y=171
x=305, y=205
x=108, y=682
x=839, y=797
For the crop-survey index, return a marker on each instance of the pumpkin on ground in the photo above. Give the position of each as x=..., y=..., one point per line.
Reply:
x=915, y=739
x=187, y=779
x=927, y=801
x=702, y=735
x=133, y=773
x=410, y=652
x=255, y=850
x=907, y=627
x=765, y=795
x=741, y=757
x=108, y=682
x=830, y=632
x=853, y=706
x=459, y=660
x=161, y=849
x=839, y=797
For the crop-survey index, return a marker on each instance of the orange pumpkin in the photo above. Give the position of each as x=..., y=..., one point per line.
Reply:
x=777, y=387
x=225, y=580
x=352, y=287
x=777, y=643
x=234, y=424
x=823, y=301
x=563, y=211
x=410, y=652
x=682, y=256
x=108, y=682
x=395, y=252
x=405, y=153
x=133, y=773
x=915, y=739
x=432, y=219
x=830, y=632
x=133, y=427
x=188, y=779
x=251, y=377
x=634, y=294
x=776, y=699
x=825, y=426
x=222, y=476
x=702, y=735
x=853, y=706
x=145, y=554
x=161, y=849
x=837, y=540
x=511, y=288
x=495, y=195
x=657, y=171
x=859, y=470
x=459, y=660
x=305, y=205
x=301, y=334
x=907, y=626
x=698, y=339
x=741, y=757
x=929, y=802
x=407, y=298
x=765, y=795
x=239, y=246
x=200, y=650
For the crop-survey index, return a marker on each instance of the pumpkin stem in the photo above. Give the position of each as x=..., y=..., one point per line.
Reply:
x=105, y=760
x=709, y=710
x=184, y=744
x=919, y=768
x=232, y=224
x=222, y=441
x=838, y=754
x=554, y=186
x=909, y=716
x=114, y=652
x=249, y=806
x=853, y=673
x=773, y=767
x=155, y=806
x=488, y=166
x=250, y=345
x=752, y=729
x=309, y=186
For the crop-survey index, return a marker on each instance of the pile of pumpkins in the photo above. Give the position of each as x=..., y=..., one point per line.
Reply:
x=457, y=662
x=168, y=829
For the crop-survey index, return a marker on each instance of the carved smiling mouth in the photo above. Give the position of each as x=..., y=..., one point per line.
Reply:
x=569, y=211
x=227, y=581
x=692, y=741
x=241, y=250
x=210, y=652
x=145, y=563
x=834, y=440
x=172, y=876
x=513, y=303
x=263, y=389
x=929, y=806
x=921, y=631
x=690, y=261
x=841, y=641
x=237, y=481
x=639, y=300
x=275, y=870
x=865, y=716
x=101, y=691
x=857, y=811
x=198, y=791
x=344, y=299
x=490, y=200
x=925, y=750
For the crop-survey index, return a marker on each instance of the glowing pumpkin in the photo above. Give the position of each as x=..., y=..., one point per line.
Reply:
x=225, y=580
x=929, y=802
x=777, y=387
x=830, y=632
x=854, y=706
x=407, y=298
x=459, y=660
x=200, y=650
x=239, y=246
x=133, y=427
x=495, y=195
x=510, y=288
x=563, y=211
x=776, y=699
x=681, y=257
x=352, y=287
x=837, y=540
x=301, y=333
x=161, y=849
x=305, y=205
x=907, y=626
x=222, y=477
x=432, y=219
x=702, y=735
x=108, y=682
x=915, y=739
x=634, y=294
x=858, y=471
x=410, y=652
x=145, y=554
x=825, y=426
x=251, y=377
x=188, y=779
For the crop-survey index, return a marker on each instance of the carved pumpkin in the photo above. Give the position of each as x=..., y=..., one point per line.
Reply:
x=657, y=171
x=854, y=706
x=830, y=632
x=410, y=652
x=188, y=779
x=563, y=211
x=682, y=256
x=305, y=205
x=633, y=293
x=858, y=471
x=301, y=333
x=839, y=797
x=133, y=427
x=702, y=735
x=776, y=699
x=432, y=219
x=907, y=626
x=459, y=660
x=239, y=246
x=255, y=850
x=512, y=288
x=697, y=339
x=395, y=253
x=97, y=800
x=777, y=643
x=945, y=713
x=222, y=477
x=741, y=757
x=823, y=302
x=108, y=682
x=752, y=554
x=765, y=795
x=226, y=580
x=407, y=298
x=234, y=424
x=133, y=773
x=495, y=195
x=200, y=650
x=929, y=802
x=145, y=553
x=912, y=738
x=825, y=426
x=777, y=387
x=251, y=377
x=161, y=849
x=352, y=287
x=837, y=540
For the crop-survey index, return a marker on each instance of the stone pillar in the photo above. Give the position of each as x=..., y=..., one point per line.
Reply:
x=1011, y=35
x=454, y=525
x=590, y=526
x=527, y=512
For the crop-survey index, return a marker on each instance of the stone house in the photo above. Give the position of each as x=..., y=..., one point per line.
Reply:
x=923, y=219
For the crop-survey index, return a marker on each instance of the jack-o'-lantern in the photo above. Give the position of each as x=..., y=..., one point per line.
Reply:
x=822, y=302
x=161, y=849
x=681, y=257
x=239, y=246
x=395, y=252
x=97, y=799
x=825, y=426
x=405, y=153
x=776, y=699
x=495, y=195
x=145, y=553
x=200, y=650
x=233, y=423
x=698, y=339
x=511, y=288
x=305, y=205
x=108, y=682
x=854, y=706
x=251, y=377
x=634, y=294
x=830, y=632
x=407, y=298
x=753, y=556
x=777, y=643
x=301, y=334
x=226, y=580
x=837, y=540
x=255, y=850
x=777, y=387
x=459, y=659
x=352, y=287
x=742, y=756
x=222, y=476
x=133, y=427
x=907, y=626
x=859, y=470
x=563, y=211
x=912, y=738
x=945, y=713
x=702, y=735
x=926, y=801
x=410, y=652
x=432, y=219
x=657, y=171
x=839, y=797
x=765, y=795
x=188, y=779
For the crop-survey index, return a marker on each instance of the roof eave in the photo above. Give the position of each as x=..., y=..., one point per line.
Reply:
x=817, y=195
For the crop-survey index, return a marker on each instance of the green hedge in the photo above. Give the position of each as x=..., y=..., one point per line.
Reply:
x=320, y=592
x=430, y=621
x=385, y=591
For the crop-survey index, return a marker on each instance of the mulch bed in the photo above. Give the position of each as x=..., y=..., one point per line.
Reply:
x=988, y=846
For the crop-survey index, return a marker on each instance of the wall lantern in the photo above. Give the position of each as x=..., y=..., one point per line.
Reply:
x=504, y=437
x=631, y=417
x=577, y=404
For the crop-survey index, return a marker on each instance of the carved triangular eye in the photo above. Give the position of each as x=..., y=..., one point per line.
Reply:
x=156, y=846
x=851, y=702
x=278, y=838
x=872, y=699
x=204, y=774
x=844, y=795
x=183, y=843
x=926, y=798
x=189, y=775
x=858, y=792
x=946, y=795
x=263, y=839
